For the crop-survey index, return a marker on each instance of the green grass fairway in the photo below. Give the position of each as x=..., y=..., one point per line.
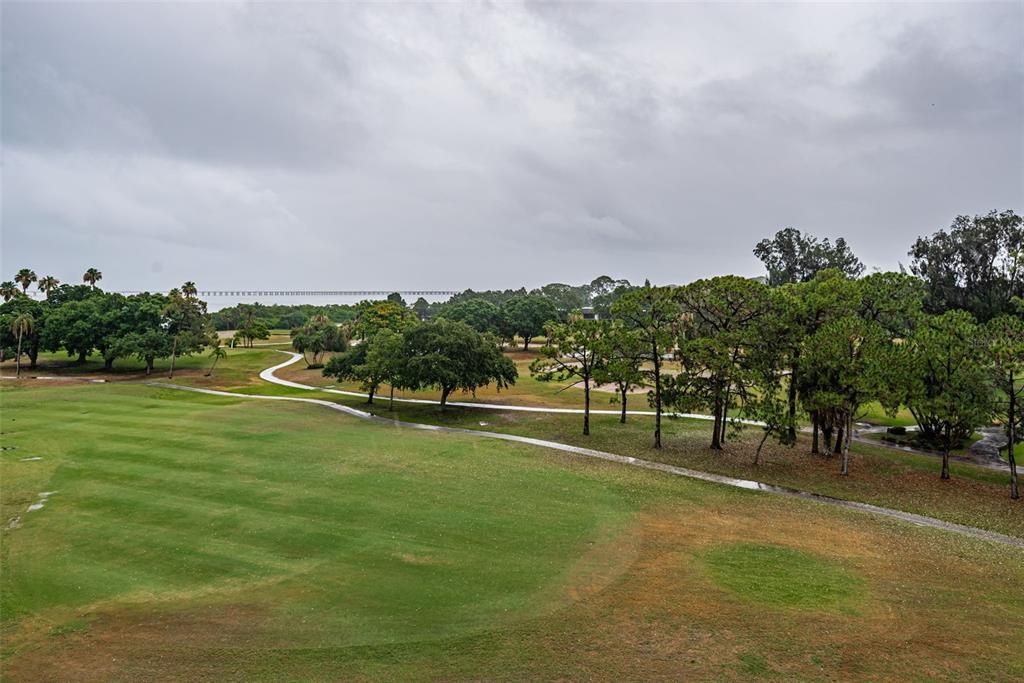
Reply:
x=413, y=527
x=187, y=537
x=241, y=366
x=976, y=496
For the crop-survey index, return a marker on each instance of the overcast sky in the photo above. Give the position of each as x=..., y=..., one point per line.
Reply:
x=452, y=146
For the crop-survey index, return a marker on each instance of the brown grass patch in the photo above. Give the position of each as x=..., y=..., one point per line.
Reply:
x=140, y=645
x=666, y=620
x=637, y=605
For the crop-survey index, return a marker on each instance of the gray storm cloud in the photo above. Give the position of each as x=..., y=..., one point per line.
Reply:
x=493, y=146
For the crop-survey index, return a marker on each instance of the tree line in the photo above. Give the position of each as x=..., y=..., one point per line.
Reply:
x=277, y=316
x=82, y=320
x=815, y=340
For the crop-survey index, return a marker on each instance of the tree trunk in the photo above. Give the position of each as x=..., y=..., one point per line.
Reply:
x=149, y=364
x=844, y=444
x=657, y=396
x=17, y=358
x=945, y=454
x=174, y=351
x=814, y=432
x=1014, y=491
x=716, y=443
x=108, y=362
x=725, y=418
x=526, y=343
x=840, y=435
x=212, y=366
x=81, y=357
x=826, y=436
x=369, y=394
x=792, y=403
x=849, y=433
x=586, y=406
x=757, y=454
x=622, y=416
x=445, y=391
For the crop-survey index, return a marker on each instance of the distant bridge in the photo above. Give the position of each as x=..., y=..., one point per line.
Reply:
x=210, y=293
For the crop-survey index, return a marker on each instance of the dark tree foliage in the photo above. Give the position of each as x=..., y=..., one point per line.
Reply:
x=565, y=298
x=599, y=294
x=449, y=356
x=892, y=300
x=83, y=319
x=623, y=366
x=374, y=316
x=526, y=316
x=575, y=350
x=74, y=326
x=343, y=366
x=374, y=362
x=143, y=331
x=316, y=338
x=423, y=309
x=720, y=330
x=480, y=314
x=604, y=292
x=790, y=256
x=1005, y=339
x=31, y=341
x=495, y=296
x=187, y=323
x=941, y=375
x=653, y=314
x=976, y=266
x=279, y=317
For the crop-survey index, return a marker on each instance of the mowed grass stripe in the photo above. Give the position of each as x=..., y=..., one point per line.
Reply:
x=171, y=497
x=140, y=471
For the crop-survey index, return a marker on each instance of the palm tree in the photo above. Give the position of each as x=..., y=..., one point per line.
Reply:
x=48, y=284
x=20, y=326
x=8, y=290
x=189, y=291
x=216, y=354
x=92, y=276
x=25, y=277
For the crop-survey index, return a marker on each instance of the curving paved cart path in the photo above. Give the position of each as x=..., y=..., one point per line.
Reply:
x=269, y=376
x=748, y=484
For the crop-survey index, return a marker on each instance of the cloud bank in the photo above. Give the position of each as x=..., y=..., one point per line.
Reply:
x=450, y=146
